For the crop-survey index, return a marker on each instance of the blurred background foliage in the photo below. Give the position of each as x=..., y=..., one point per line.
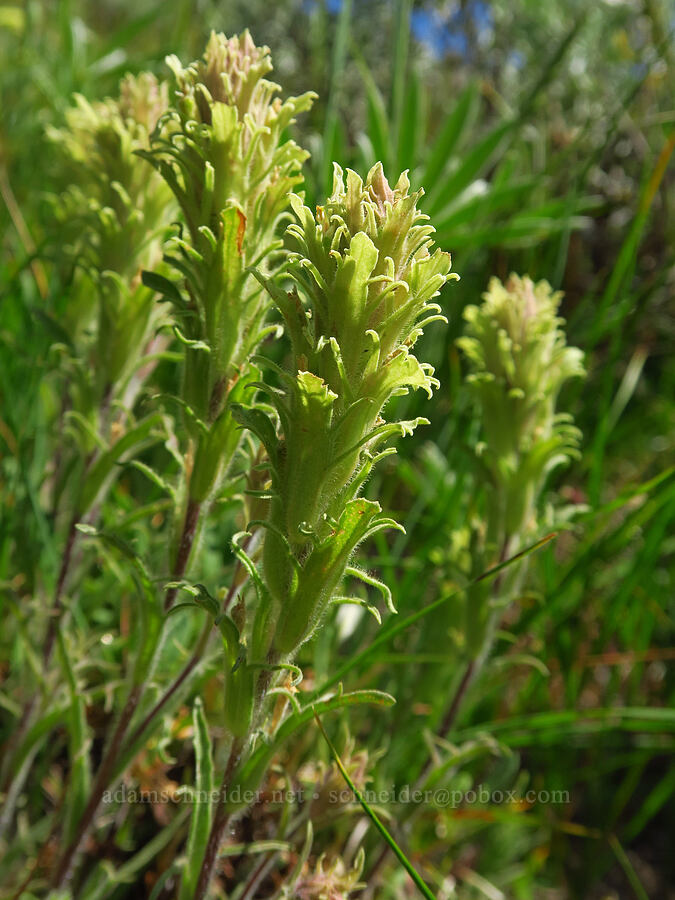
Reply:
x=542, y=133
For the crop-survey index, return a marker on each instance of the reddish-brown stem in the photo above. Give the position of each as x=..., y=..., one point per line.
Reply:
x=58, y=593
x=451, y=714
x=453, y=709
x=222, y=816
x=257, y=876
x=219, y=824
x=444, y=730
x=64, y=869
x=190, y=665
x=187, y=538
x=107, y=767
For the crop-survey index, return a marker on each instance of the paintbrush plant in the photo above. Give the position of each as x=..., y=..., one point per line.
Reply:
x=202, y=385
x=111, y=217
x=220, y=153
x=221, y=149
x=519, y=360
x=108, y=225
x=362, y=281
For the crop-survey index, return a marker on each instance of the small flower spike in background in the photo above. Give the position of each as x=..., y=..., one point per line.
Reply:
x=108, y=224
x=221, y=160
x=111, y=218
x=519, y=360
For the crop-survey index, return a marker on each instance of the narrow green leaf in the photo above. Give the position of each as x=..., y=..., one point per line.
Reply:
x=410, y=129
x=157, y=479
x=140, y=435
x=627, y=867
x=474, y=162
x=250, y=773
x=128, y=872
x=654, y=801
x=78, y=746
x=202, y=808
x=338, y=63
x=399, y=64
x=162, y=286
x=378, y=123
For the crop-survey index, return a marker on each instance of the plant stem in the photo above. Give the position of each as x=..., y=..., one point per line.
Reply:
x=107, y=768
x=190, y=664
x=444, y=730
x=219, y=823
x=52, y=626
x=452, y=711
x=179, y=681
x=222, y=816
x=58, y=593
x=257, y=875
x=64, y=869
x=187, y=538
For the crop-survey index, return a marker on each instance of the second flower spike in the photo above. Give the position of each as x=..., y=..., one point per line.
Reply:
x=221, y=149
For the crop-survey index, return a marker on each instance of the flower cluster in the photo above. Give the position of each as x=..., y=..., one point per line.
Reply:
x=329, y=880
x=225, y=139
x=222, y=152
x=363, y=284
x=111, y=217
x=519, y=360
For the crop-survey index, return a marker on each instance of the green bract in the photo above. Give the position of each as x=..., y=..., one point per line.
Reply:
x=363, y=284
x=222, y=153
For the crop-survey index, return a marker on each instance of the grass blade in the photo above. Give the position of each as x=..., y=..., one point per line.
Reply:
x=627, y=867
x=627, y=255
x=396, y=850
x=455, y=127
x=411, y=128
x=378, y=122
x=80, y=773
x=405, y=623
x=399, y=64
x=468, y=170
x=331, y=122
